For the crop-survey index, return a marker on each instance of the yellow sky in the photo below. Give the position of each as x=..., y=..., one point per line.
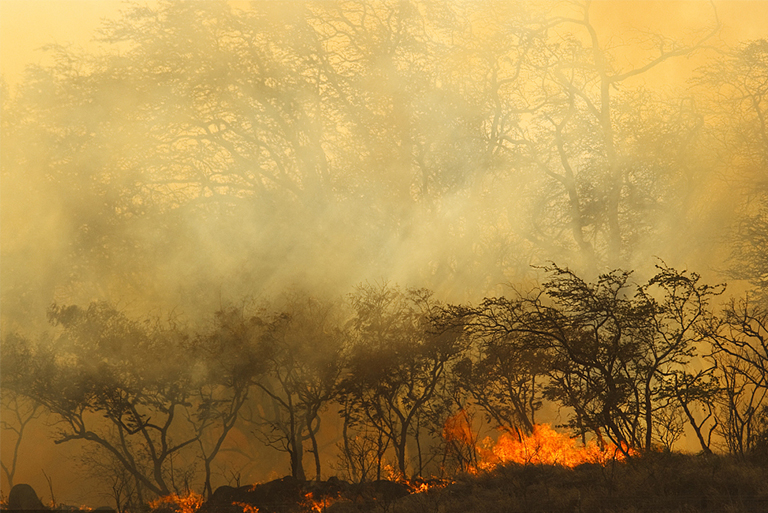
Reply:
x=26, y=25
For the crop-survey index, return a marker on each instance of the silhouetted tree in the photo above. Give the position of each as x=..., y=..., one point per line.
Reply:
x=234, y=360
x=500, y=374
x=740, y=349
x=22, y=411
x=302, y=347
x=600, y=350
x=397, y=363
x=138, y=390
x=676, y=306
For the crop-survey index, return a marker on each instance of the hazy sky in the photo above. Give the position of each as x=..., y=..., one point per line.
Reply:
x=26, y=25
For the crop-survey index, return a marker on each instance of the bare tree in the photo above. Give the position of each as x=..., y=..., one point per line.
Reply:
x=740, y=349
x=302, y=357
x=397, y=363
x=126, y=386
x=23, y=411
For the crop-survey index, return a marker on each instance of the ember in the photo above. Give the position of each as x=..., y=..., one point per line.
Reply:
x=188, y=504
x=247, y=508
x=317, y=504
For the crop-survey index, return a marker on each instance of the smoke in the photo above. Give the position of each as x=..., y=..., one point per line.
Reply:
x=188, y=154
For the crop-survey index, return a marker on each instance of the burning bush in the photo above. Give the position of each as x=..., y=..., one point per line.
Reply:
x=177, y=503
x=544, y=446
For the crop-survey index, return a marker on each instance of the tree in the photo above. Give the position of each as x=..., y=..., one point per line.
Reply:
x=137, y=390
x=740, y=349
x=302, y=346
x=234, y=362
x=23, y=411
x=500, y=375
x=600, y=351
x=738, y=106
x=689, y=389
x=454, y=132
x=676, y=305
x=559, y=105
x=397, y=364
x=586, y=329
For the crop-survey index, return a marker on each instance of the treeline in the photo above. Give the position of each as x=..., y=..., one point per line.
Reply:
x=633, y=365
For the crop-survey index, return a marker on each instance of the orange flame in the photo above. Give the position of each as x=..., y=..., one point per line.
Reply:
x=543, y=446
x=189, y=504
x=247, y=508
x=418, y=486
x=548, y=447
x=319, y=504
x=458, y=429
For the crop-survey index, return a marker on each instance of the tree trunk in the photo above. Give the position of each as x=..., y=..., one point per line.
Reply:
x=315, y=448
x=297, y=457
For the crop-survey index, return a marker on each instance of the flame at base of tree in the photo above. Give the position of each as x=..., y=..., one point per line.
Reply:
x=182, y=504
x=317, y=504
x=545, y=446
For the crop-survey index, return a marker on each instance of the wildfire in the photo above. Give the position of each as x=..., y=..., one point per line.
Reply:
x=543, y=446
x=189, y=504
x=247, y=508
x=458, y=429
x=424, y=486
x=317, y=504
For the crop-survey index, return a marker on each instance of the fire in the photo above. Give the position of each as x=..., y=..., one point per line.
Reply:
x=247, y=508
x=458, y=429
x=189, y=504
x=544, y=446
x=317, y=504
x=548, y=447
x=418, y=486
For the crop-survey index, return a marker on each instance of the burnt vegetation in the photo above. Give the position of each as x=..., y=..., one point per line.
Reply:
x=206, y=209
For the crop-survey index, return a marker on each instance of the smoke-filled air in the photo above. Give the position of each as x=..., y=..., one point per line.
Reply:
x=384, y=255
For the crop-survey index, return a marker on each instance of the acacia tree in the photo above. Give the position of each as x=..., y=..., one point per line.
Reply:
x=206, y=126
x=397, y=364
x=676, y=306
x=234, y=361
x=689, y=391
x=740, y=349
x=137, y=390
x=23, y=411
x=586, y=329
x=734, y=90
x=500, y=374
x=301, y=345
x=601, y=351
x=558, y=105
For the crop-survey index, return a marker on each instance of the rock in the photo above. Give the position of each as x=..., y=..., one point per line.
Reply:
x=23, y=497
